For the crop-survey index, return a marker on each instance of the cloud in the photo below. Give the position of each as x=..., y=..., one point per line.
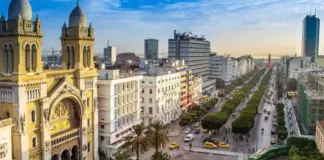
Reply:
x=232, y=26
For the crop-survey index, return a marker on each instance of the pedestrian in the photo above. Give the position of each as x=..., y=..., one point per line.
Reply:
x=249, y=150
x=226, y=140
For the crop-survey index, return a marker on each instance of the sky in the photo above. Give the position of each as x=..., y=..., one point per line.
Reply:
x=235, y=27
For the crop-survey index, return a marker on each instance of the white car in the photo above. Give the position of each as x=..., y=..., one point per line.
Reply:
x=189, y=138
x=188, y=130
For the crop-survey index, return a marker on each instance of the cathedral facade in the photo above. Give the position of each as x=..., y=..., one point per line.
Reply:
x=54, y=112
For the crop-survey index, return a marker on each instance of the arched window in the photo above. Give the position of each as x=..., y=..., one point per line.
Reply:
x=72, y=57
x=88, y=56
x=34, y=58
x=33, y=116
x=10, y=59
x=85, y=56
x=68, y=56
x=5, y=59
x=34, y=142
x=27, y=58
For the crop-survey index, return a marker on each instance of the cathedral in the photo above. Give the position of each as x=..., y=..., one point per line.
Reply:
x=54, y=112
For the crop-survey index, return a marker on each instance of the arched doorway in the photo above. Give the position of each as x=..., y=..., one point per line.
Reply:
x=65, y=155
x=55, y=157
x=75, y=153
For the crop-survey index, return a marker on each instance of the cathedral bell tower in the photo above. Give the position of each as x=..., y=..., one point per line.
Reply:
x=77, y=41
x=20, y=42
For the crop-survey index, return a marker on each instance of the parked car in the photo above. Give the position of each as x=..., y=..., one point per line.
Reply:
x=274, y=123
x=209, y=140
x=187, y=130
x=266, y=118
x=273, y=141
x=197, y=124
x=223, y=145
x=173, y=145
x=273, y=131
x=189, y=138
x=269, y=112
x=197, y=131
x=210, y=145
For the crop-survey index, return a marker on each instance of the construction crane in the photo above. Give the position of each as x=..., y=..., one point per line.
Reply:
x=54, y=53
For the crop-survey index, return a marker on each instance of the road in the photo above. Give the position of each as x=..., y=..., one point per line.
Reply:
x=263, y=140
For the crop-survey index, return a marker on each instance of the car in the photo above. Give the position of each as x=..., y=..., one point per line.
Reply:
x=196, y=124
x=223, y=145
x=273, y=131
x=205, y=130
x=273, y=141
x=265, y=110
x=275, y=115
x=210, y=145
x=266, y=118
x=188, y=130
x=189, y=138
x=209, y=140
x=173, y=145
x=274, y=120
x=268, y=102
x=269, y=112
x=274, y=123
x=197, y=131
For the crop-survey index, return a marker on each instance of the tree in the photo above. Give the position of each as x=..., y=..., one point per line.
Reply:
x=161, y=156
x=220, y=83
x=137, y=142
x=102, y=155
x=241, y=125
x=121, y=156
x=296, y=157
x=292, y=84
x=158, y=134
x=214, y=121
x=293, y=151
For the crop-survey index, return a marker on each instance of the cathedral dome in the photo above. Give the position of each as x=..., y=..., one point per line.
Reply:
x=77, y=17
x=20, y=7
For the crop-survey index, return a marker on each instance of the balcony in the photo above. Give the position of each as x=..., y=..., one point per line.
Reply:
x=65, y=137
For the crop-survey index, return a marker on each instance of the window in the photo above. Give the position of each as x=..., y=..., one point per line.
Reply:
x=150, y=110
x=102, y=138
x=89, y=146
x=34, y=142
x=151, y=91
x=88, y=102
x=143, y=82
x=102, y=126
x=142, y=109
x=150, y=100
x=150, y=82
x=158, y=90
x=88, y=121
x=33, y=116
x=143, y=91
x=142, y=99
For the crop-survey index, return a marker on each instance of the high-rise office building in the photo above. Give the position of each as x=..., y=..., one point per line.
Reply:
x=151, y=48
x=311, y=26
x=196, y=53
x=110, y=54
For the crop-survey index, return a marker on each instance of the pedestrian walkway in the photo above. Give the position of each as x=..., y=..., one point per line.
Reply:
x=238, y=155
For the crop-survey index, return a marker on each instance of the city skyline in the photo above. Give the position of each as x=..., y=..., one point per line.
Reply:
x=227, y=25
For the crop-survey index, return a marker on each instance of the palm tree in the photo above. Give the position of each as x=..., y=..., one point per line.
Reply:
x=137, y=142
x=121, y=156
x=158, y=134
x=160, y=156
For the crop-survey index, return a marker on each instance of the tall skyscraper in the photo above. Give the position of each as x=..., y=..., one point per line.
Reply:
x=311, y=30
x=151, y=48
x=110, y=54
x=196, y=53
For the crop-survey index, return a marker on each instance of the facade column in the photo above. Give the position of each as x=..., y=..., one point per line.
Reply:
x=45, y=129
x=95, y=121
x=20, y=133
x=83, y=133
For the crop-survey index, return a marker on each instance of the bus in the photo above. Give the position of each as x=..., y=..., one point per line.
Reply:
x=270, y=152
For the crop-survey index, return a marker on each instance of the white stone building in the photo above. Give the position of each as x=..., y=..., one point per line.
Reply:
x=245, y=64
x=197, y=89
x=223, y=67
x=118, y=104
x=5, y=139
x=160, y=95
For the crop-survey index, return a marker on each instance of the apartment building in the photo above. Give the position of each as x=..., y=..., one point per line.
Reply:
x=196, y=89
x=223, y=67
x=118, y=104
x=160, y=95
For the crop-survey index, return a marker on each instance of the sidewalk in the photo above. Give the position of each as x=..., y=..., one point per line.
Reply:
x=238, y=155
